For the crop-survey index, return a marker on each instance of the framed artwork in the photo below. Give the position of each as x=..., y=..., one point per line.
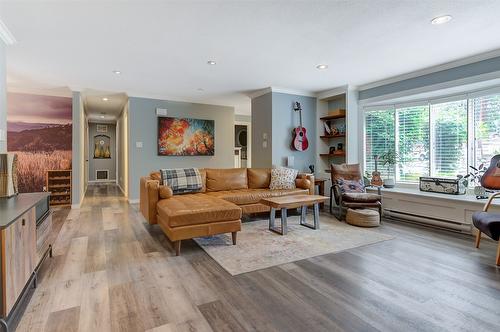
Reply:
x=102, y=147
x=186, y=137
x=102, y=128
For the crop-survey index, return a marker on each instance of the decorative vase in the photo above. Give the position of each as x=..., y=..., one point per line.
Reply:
x=107, y=153
x=389, y=183
x=97, y=151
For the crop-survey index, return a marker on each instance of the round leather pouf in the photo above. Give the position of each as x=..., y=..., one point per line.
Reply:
x=363, y=217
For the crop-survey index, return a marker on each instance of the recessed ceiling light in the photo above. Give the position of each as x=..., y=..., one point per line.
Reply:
x=102, y=116
x=441, y=19
x=117, y=72
x=322, y=66
x=211, y=62
x=105, y=99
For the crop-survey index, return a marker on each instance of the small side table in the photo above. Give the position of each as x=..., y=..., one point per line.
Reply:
x=321, y=189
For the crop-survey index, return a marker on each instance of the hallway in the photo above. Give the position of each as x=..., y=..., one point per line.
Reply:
x=113, y=272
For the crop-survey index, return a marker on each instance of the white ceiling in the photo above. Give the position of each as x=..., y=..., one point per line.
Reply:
x=162, y=47
x=100, y=110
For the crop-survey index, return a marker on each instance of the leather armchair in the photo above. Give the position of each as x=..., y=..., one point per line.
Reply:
x=348, y=190
x=488, y=223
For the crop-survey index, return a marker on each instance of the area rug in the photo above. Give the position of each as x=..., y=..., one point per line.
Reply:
x=259, y=248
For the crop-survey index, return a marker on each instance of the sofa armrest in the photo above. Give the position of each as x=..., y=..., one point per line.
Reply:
x=309, y=177
x=149, y=196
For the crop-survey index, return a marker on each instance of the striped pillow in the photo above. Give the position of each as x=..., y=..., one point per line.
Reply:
x=181, y=180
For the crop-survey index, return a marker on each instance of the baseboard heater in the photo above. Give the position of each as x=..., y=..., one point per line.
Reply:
x=428, y=221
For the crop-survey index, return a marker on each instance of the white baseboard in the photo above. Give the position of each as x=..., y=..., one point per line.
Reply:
x=133, y=201
x=123, y=191
x=102, y=181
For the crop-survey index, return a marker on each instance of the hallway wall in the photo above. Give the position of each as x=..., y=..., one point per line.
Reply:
x=97, y=163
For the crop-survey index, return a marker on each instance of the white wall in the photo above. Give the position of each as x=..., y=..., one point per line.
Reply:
x=122, y=150
x=3, y=98
x=78, y=151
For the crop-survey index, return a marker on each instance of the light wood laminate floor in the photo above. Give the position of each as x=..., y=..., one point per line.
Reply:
x=113, y=272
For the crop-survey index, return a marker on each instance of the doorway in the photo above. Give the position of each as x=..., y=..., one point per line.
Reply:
x=106, y=141
x=242, y=144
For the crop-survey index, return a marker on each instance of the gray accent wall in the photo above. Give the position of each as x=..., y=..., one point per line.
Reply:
x=457, y=73
x=3, y=98
x=143, y=128
x=102, y=164
x=284, y=120
x=262, y=109
x=272, y=114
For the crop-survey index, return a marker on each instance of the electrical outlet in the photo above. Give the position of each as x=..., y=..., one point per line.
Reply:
x=138, y=145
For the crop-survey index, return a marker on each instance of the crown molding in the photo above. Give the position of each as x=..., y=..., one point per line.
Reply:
x=5, y=35
x=325, y=94
x=430, y=70
x=259, y=93
x=264, y=91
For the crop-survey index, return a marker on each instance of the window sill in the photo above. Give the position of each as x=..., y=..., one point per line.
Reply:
x=414, y=191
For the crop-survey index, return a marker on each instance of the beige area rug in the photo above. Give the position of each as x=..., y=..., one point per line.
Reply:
x=259, y=248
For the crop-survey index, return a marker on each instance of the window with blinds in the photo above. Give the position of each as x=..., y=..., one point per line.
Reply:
x=412, y=128
x=449, y=138
x=432, y=138
x=486, y=113
x=379, y=138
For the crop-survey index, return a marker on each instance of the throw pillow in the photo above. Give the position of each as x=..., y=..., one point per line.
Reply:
x=351, y=186
x=283, y=178
x=181, y=180
x=165, y=192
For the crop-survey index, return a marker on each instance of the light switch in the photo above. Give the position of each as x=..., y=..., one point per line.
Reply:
x=138, y=145
x=264, y=144
x=264, y=135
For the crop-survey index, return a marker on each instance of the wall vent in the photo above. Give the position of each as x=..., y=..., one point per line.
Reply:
x=102, y=174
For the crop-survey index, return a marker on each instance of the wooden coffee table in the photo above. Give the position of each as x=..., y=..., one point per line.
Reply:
x=293, y=202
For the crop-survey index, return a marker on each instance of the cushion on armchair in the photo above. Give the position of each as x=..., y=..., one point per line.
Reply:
x=488, y=223
x=361, y=197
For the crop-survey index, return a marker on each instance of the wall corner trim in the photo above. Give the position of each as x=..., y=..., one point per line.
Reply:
x=267, y=90
x=5, y=35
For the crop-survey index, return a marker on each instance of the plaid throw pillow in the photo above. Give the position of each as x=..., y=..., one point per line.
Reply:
x=181, y=180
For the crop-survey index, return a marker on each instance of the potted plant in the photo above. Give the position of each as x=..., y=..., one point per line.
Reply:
x=389, y=159
x=475, y=176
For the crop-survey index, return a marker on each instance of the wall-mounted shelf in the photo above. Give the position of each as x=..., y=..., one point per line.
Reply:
x=332, y=154
x=332, y=136
x=332, y=117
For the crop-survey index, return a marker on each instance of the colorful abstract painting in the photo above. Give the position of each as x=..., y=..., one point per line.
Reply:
x=185, y=137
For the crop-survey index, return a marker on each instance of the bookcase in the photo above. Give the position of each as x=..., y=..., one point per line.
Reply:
x=58, y=183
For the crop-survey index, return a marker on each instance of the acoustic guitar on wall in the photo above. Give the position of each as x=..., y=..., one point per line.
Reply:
x=491, y=178
x=299, y=142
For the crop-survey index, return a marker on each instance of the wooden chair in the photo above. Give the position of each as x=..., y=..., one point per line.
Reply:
x=348, y=190
x=488, y=223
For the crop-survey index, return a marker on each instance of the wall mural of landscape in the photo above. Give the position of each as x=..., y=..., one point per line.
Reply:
x=39, y=131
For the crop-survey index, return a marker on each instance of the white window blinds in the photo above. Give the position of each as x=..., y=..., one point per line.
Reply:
x=379, y=137
x=449, y=138
x=486, y=113
x=412, y=132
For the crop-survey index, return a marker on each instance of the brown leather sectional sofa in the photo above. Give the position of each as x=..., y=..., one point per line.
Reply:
x=218, y=207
